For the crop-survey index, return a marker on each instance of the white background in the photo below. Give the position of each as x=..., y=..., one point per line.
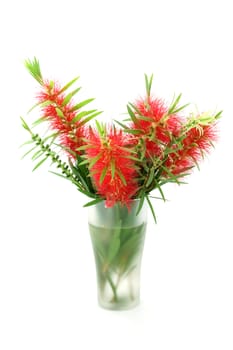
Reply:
x=47, y=273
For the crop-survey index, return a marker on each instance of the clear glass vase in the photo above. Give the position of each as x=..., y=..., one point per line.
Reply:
x=118, y=236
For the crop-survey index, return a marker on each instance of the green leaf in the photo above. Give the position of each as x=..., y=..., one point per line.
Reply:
x=26, y=143
x=154, y=197
x=173, y=107
x=78, y=174
x=147, y=119
x=180, y=108
x=103, y=174
x=65, y=148
x=60, y=175
x=172, y=176
x=94, y=160
x=95, y=201
x=41, y=104
x=218, y=115
x=133, y=131
x=121, y=124
x=141, y=202
x=114, y=244
x=83, y=148
x=126, y=149
x=82, y=114
x=132, y=158
x=82, y=104
x=132, y=115
x=84, y=162
x=174, y=103
x=39, y=121
x=32, y=149
x=52, y=136
x=33, y=66
x=121, y=176
x=151, y=208
x=113, y=167
x=37, y=154
x=59, y=112
x=51, y=84
x=69, y=96
x=68, y=85
x=150, y=177
x=148, y=82
x=160, y=190
x=40, y=163
x=135, y=108
x=89, y=118
x=100, y=128
x=24, y=125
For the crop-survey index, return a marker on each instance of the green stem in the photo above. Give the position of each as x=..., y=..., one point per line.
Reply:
x=114, y=289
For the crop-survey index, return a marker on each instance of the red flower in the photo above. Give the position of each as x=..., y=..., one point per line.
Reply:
x=113, y=173
x=160, y=126
x=196, y=142
x=61, y=116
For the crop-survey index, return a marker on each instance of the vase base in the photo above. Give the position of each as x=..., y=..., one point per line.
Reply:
x=120, y=305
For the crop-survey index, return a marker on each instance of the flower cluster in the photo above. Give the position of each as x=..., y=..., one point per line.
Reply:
x=157, y=145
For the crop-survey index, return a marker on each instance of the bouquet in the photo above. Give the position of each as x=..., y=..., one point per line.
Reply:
x=156, y=144
x=118, y=166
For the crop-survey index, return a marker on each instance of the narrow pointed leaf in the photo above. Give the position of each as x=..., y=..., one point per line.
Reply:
x=32, y=149
x=68, y=85
x=180, y=108
x=82, y=114
x=150, y=177
x=33, y=66
x=83, y=148
x=174, y=104
x=37, y=155
x=94, y=160
x=26, y=143
x=147, y=119
x=218, y=115
x=39, y=121
x=151, y=208
x=59, y=112
x=160, y=190
x=113, y=167
x=121, y=124
x=24, y=124
x=40, y=163
x=41, y=104
x=89, y=118
x=69, y=96
x=132, y=115
x=141, y=202
x=102, y=175
x=121, y=176
x=170, y=174
x=82, y=104
x=148, y=82
x=95, y=201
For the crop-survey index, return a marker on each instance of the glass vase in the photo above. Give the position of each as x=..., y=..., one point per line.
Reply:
x=118, y=235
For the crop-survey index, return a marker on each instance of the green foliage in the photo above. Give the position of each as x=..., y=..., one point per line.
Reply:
x=33, y=67
x=148, y=81
x=43, y=151
x=152, y=170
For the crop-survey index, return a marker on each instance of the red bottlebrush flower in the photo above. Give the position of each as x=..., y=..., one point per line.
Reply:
x=113, y=173
x=160, y=126
x=61, y=116
x=196, y=142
